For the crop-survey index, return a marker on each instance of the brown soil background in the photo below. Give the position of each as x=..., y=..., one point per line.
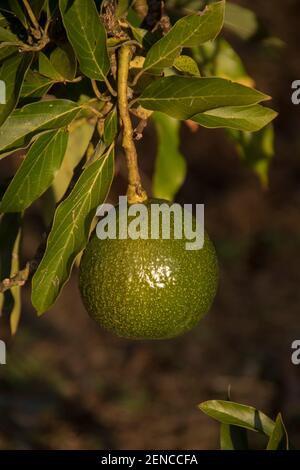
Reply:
x=70, y=385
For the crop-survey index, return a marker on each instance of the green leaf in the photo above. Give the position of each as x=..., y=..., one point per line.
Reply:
x=6, y=35
x=190, y=31
x=183, y=97
x=12, y=73
x=64, y=61
x=40, y=165
x=3, y=20
x=170, y=166
x=256, y=150
x=35, y=85
x=47, y=69
x=7, y=51
x=240, y=20
x=17, y=7
x=87, y=35
x=244, y=118
x=222, y=61
x=187, y=65
x=123, y=6
x=70, y=231
x=279, y=438
x=80, y=134
x=37, y=7
x=247, y=417
x=110, y=127
x=24, y=123
x=144, y=37
x=233, y=437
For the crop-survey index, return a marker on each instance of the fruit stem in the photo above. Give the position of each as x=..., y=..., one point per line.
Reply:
x=135, y=191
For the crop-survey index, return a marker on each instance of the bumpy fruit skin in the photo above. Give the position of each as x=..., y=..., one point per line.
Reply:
x=147, y=289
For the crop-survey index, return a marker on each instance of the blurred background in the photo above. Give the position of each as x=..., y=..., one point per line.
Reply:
x=69, y=385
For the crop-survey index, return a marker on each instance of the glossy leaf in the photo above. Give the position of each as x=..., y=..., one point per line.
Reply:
x=247, y=417
x=244, y=118
x=12, y=73
x=170, y=166
x=189, y=31
x=187, y=65
x=183, y=97
x=24, y=123
x=240, y=20
x=70, y=231
x=279, y=439
x=87, y=35
x=233, y=437
x=37, y=171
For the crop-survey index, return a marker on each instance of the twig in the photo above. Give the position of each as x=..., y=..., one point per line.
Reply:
x=109, y=87
x=98, y=93
x=32, y=17
x=18, y=279
x=135, y=191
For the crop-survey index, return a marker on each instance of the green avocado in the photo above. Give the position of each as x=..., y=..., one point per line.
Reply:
x=148, y=288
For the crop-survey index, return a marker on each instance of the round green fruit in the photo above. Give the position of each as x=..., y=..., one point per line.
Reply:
x=148, y=288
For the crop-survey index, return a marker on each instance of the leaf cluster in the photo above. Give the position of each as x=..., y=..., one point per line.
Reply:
x=58, y=63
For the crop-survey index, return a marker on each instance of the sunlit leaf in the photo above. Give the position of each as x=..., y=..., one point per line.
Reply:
x=70, y=231
x=183, y=97
x=87, y=35
x=245, y=118
x=187, y=65
x=279, y=439
x=24, y=123
x=247, y=417
x=189, y=31
x=40, y=165
x=233, y=437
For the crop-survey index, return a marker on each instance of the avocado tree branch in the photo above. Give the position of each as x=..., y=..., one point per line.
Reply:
x=135, y=192
x=34, y=21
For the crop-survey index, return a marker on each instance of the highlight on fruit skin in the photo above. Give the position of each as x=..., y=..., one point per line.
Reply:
x=146, y=288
